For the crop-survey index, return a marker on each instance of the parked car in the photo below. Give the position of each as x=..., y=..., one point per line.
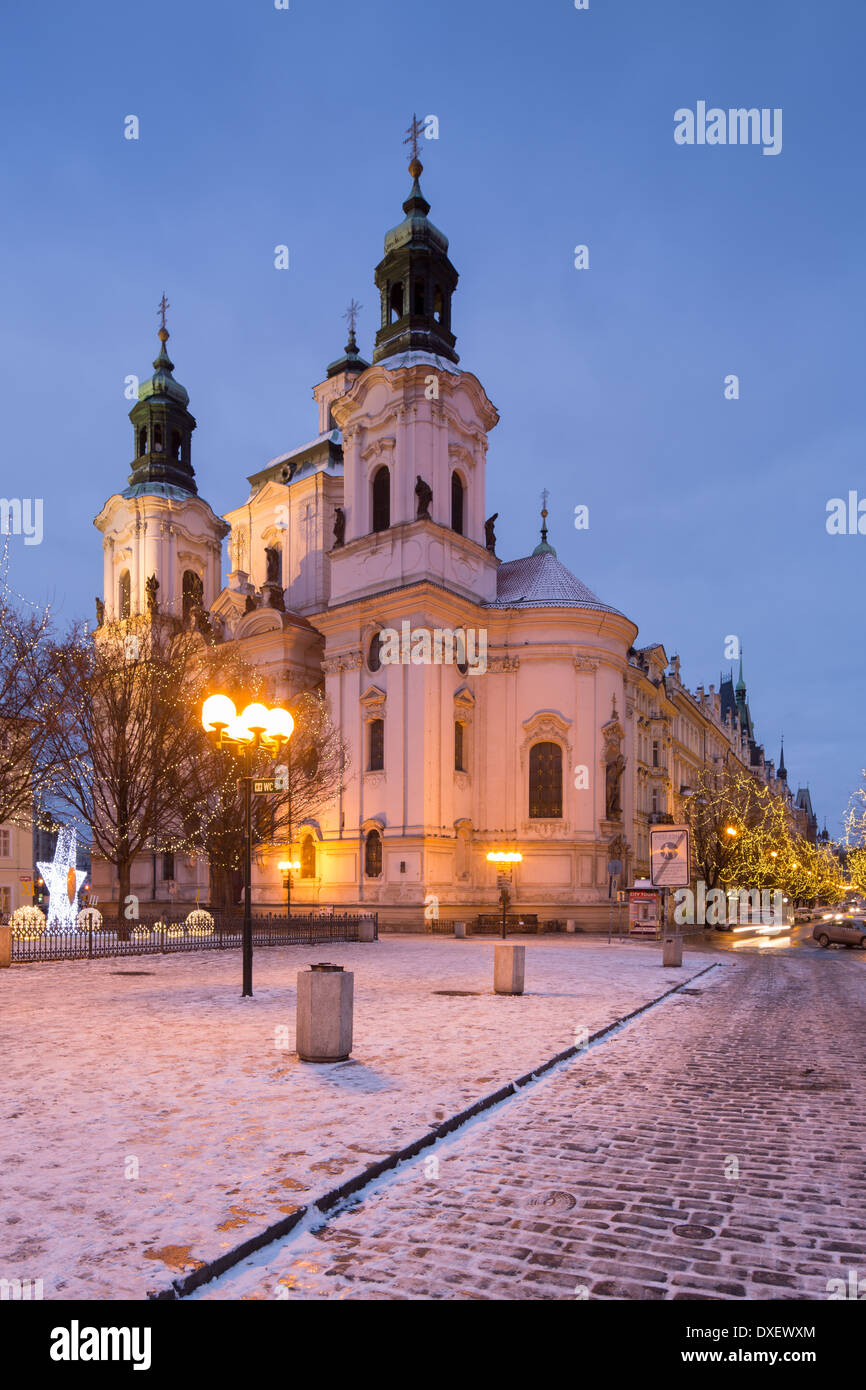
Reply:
x=847, y=931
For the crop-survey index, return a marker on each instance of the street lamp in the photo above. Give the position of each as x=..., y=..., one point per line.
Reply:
x=729, y=830
x=256, y=727
x=506, y=860
x=287, y=867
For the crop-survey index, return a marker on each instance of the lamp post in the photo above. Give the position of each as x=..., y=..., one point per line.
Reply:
x=287, y=867
x=505, y=860
x=256, y=727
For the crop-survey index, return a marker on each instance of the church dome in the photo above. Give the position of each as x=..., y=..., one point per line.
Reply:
x=542, y=581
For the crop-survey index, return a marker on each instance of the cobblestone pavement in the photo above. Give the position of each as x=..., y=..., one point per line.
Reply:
x=710, y=1149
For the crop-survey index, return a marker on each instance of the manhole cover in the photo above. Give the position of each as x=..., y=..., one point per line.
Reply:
x=694, y=1232
x=459, y=993
x=132, y=972
x=555, y=1201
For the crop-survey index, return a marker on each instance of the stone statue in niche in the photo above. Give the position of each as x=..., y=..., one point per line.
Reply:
x=490, y=534
x=272, y=561
x=100, y=612
x=613, y=777
x=339, y=527
x=152, y=589
x=424, y=494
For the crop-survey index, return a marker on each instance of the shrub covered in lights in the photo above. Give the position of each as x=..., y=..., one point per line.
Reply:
x=27, y=923
x=89, y=919
x=199, y=923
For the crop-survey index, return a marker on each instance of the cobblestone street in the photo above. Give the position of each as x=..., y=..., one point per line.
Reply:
x=712, y=1148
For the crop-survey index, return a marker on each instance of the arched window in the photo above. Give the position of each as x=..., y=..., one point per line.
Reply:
x=308, y=857
x=157, y=438
x=381, y=499
x=418, y=303
x=373, y=854
x=175, y=444
x=545, y=781
x=142, y=442
x=124, y=605
x=458, y=747
x=374, y=653
x=456, y=504
x=377, y=745
x=437, y=304
x=460, y=656
x=396, y=301
x=193, y=593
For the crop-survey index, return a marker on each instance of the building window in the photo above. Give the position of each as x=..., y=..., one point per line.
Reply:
x=157, y=438
x=373, y=855
x=396, y=301
x=437, y=304
x=374, y=652
x=123, y=595
x=458, y=747
x=418, y=307
x=382, y=499
x=377, y=745
x=142, y=442
x=655, y=802
x=5, y=844
x=655, y=753
x=167, y=866
x=193, y=593
x=308, y=857
x=456, y=504
x=545, y=781
x=175, y=443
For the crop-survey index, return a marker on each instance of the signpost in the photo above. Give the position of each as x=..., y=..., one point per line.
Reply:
x=670, y=860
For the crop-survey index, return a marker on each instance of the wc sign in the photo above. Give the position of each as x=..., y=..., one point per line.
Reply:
x=670, y=856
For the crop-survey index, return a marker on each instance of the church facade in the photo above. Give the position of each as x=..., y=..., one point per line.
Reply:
x=486, y=704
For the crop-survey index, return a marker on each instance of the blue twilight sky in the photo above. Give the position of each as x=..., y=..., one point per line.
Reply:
x=261, y=126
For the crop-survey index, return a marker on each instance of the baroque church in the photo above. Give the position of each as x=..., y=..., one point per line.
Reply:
x=566, y=742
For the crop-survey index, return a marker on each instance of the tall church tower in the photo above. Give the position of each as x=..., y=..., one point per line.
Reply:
x=162, y=542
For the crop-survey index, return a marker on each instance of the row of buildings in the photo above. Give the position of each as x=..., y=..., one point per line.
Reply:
x=566, y=743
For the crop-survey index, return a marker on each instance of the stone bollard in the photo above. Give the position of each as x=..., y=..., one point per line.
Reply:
x=672, y=950
x=324, y=1013
x=5, y=947
x=571, y=925
x=460, y=931
x=508, y=968
x=366, y=929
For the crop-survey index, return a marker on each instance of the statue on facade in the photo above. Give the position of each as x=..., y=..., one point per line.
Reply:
x=100, y=612
x=272, y=561
x=424, y=494
x=250, y=606
x=613, y=771
x=490, y=534
x=152, y=589
x=339, y=527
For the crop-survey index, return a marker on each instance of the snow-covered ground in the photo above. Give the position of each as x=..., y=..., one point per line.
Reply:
x=151, y=1121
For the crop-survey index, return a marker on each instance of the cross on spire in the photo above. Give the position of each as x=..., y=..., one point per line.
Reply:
x=161, y=308
x=351, y=315
x=413, y=134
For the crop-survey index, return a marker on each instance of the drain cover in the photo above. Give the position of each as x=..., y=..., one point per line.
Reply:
x=555, y=1201
x=459, y=993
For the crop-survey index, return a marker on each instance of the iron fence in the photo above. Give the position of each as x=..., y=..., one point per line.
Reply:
x=156, y=935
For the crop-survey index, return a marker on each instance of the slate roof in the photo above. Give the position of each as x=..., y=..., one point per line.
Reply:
x=542, y=581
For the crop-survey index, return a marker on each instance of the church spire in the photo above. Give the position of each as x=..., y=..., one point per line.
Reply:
x=351, y=361
x=415, y=279
x=741, y=684
x=783, y=771
x=544, y=548
x=162, y=426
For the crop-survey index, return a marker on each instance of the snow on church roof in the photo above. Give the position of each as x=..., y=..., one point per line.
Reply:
x=542, y=581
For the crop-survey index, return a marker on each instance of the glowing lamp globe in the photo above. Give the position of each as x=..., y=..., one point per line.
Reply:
x=238, y=732
x=280, y=724
x=217, y=712
x=255, y=718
